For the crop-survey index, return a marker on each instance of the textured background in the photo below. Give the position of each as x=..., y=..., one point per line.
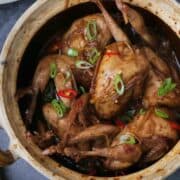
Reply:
x=20, y=169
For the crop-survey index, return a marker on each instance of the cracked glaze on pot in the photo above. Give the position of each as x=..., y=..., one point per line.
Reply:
x=13, y=50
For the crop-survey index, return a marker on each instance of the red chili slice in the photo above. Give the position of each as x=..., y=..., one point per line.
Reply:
x=174, y=125
x=111, y=53
x=67, y=93
x=120, y=123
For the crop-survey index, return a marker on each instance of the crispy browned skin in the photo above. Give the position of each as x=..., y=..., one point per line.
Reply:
x=58, y=124
x=150, y=124
x=155, y=133
x=158, y=73
x=42, y=76
x=151, y=97
x=69, y=123
x=75, y=37
x=42, y=73
x=81, y=138
x=131, y=64
x=159, y=69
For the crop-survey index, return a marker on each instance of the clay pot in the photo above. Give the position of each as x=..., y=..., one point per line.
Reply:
x=10, y=119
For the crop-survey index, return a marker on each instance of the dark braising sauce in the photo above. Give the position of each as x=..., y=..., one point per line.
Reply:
x=169, y=49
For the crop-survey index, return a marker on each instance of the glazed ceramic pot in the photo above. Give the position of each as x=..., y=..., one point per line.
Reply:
x=10, y=118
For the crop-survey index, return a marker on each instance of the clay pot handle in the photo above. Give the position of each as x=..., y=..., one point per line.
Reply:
x=6, y=158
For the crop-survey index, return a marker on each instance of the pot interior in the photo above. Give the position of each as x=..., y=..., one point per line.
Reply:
x=55, y=28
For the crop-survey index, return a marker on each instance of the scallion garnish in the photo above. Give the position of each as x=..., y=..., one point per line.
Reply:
x=53, y=70
x=63, y=107
x=142, y=111
x=72, y=52
x=119, y=84
x=161, y=114
x=94, y=56
x=127, y=139
x=83, y=65
x=91, y=30
x=166, y=87
x=82, y=89
x=57, y=106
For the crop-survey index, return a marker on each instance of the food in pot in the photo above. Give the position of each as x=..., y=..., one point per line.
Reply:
x=108, y=103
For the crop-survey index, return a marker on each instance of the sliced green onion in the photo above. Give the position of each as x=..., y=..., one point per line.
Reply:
x=72, y=52
x=57, y=106
x=82, y=89
x=91, y=30
x=161, y=114
x=127, y=139
x=67, y=76
x=63, y=107
x=95, y=54
x=53, y=70
x=166, y=87
x=118, y=81
x=142, y=111
x=83, y=65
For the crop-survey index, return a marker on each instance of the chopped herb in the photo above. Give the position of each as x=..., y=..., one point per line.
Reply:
x=82, y=89
x=72, y=52
x=59, y=107
x=161, y=114
x=53, y=70
x=95, y=54
x=166, y=87
x=118, y=81
x=63, y=107
x=142, y=111
x=91, y=30
x=83, y=65
x=127, y=139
